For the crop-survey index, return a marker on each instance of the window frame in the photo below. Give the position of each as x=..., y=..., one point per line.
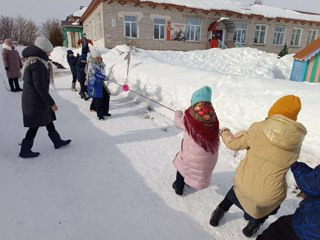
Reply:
x=260, y=31
x=277, y=36
x=309, y=40
x=242, y=31
x=131, y=23
x=161, y=26
x=193, y=28
x=294, y=36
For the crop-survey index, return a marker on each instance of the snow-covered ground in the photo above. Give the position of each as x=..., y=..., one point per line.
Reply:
x=114, y=180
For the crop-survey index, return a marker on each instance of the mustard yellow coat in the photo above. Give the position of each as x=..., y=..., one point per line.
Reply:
x=272, y=146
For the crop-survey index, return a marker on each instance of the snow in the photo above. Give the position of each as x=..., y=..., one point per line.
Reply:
x=240, y=7
x=80, y=12
x=114, y=180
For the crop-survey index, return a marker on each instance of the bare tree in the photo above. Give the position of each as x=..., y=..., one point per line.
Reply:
x=6, y=27
x=52, y=29
x=18, y=29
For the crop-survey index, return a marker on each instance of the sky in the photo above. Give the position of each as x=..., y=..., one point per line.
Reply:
x=61, y=8
x=114, y=180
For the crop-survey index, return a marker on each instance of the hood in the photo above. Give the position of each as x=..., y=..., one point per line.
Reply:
x=284, y=132
x=5, y=46
x=34, y=51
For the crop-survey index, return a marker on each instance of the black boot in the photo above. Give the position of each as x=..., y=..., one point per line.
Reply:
x=216, y=216
x=176, y=189
x=25, y=151
x=16, y=84
x=251, y=228
x=57, y=141
x=12, y=89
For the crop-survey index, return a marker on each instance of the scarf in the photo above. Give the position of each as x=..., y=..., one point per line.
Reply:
x=202, y=125
x=47, y=64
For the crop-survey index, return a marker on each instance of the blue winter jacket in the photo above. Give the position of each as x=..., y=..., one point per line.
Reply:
x=95, y=83
x=306, y=219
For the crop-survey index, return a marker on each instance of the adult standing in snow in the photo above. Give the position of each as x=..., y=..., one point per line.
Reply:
x=72, y=61
x=84, y=42
x=199, y=148
x=12, y=64
x=38, y=107
x=304, y=224
x=272, y=145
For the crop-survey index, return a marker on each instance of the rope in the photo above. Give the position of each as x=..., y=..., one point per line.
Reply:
x=145, y=97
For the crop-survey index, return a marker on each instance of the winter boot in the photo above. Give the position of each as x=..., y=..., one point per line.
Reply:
x=73, y=87
x=16, y=84
x=25, y=151
x=251, y=228
x=57, y=141
x=12, y=89
x=176, y=189
x=216, y=216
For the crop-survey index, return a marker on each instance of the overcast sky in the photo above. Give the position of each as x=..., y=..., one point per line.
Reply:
x=40, y=10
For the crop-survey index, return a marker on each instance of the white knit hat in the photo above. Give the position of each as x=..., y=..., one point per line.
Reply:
x=95, y=53
x=44, y=44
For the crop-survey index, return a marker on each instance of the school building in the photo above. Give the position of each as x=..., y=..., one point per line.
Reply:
x=165, y=26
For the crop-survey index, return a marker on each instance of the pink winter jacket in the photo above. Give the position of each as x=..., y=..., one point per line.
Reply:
x=192, y=161
x=11, y=59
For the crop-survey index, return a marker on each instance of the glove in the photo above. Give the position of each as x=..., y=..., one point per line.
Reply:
x=223, y=130
x=7, y=68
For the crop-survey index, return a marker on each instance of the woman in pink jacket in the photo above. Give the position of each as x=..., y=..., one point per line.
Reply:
x=12, y=63
x=199, y=148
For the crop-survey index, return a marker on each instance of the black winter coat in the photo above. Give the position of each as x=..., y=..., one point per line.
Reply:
x=81, y=71
x=72, y=60
x=36, y=100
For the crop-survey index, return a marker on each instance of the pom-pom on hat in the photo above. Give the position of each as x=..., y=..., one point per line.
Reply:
x=44, y=44
x=95, y=53
x=288, y=106
x=202, y=94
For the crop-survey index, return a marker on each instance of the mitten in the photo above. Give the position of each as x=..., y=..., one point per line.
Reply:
x=7, y=68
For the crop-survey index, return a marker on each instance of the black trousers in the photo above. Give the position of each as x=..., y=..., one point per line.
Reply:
x=13, y=83
x=231, y=199
x=179, y=181
x=101, y=105
x=32, y=132
x=279, y=230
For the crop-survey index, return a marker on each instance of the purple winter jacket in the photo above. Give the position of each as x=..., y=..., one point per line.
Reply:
x=192, y=161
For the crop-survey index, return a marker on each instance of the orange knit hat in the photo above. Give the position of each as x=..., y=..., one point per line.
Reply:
x=288, y=106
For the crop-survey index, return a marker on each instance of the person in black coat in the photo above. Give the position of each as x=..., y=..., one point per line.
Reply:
x=73, y=60
x=38, y=107
x=81, y=74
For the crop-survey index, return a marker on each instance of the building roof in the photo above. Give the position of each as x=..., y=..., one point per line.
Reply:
x=239, y=7
x=309, y=51
x=223, y=5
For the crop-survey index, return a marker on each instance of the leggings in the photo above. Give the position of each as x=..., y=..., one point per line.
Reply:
x=32, y=132
x=231, y=199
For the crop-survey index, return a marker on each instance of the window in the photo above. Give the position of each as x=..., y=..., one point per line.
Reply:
x=159, y=27
x=278, y=35
x=241, y=32
x=131, y=27
x=312, y=36
x=260, y=34
x=192, y=29
x=296, y=37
